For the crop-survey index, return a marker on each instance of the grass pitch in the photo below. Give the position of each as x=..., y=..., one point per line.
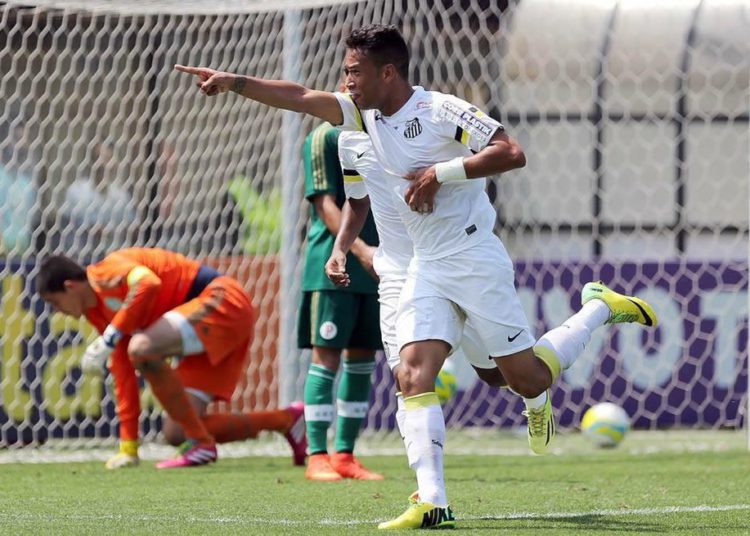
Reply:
x=701, y=487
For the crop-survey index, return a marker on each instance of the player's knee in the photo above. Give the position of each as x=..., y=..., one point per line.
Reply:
x=140, y=346
x=142, y=353
x=406, y=378
x=172, y=433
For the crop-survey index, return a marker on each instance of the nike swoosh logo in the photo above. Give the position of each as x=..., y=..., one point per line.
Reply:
x=514, y=337
x=649, y=321
x=360, y=155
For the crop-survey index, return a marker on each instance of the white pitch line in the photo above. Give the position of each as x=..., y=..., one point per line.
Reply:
x=620, y=512
x=341, y=522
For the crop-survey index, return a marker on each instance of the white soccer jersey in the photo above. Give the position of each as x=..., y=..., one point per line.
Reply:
x=431, y=127
x=363, y=175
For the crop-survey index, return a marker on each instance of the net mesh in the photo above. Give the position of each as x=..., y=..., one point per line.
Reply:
x=633, y=116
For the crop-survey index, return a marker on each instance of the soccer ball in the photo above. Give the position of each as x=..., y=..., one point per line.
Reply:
x=605, y=424
x=446, y=383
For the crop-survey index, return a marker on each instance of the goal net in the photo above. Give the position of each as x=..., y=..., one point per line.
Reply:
x=633, y=115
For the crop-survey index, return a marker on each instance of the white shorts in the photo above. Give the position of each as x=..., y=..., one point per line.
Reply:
x=474, y=287
x=389, y=291
x=469, y=345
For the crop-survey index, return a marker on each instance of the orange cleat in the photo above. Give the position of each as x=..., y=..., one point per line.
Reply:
x=345, y=464
x=319, y=468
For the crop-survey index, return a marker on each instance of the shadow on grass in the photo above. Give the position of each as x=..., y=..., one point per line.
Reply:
x=578, y=525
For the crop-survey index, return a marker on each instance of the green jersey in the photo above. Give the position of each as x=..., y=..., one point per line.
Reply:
x=323, y=176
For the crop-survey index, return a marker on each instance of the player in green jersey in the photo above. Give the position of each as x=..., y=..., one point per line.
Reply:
x=333, y=320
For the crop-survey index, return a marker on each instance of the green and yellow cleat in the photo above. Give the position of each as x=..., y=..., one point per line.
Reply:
x=421, y=515
x=541, y=423
x=622, y=308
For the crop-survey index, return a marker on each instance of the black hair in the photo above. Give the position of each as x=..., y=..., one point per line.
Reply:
x=382, y=45
x=55, y=270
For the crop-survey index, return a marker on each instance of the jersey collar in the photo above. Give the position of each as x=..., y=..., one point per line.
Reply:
x=408, y=105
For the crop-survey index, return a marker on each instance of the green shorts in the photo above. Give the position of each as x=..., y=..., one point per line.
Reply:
x=335, y=319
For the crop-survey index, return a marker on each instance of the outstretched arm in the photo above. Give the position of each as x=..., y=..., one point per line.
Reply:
x=276, y=93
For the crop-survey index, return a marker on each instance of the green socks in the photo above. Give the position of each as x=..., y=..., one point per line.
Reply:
x=318, y=406
x=353, y=401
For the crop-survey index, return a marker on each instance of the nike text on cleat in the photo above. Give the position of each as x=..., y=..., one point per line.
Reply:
x=541, y=423
x=297, y=434
x=622, y=308
x=191, y=454
x=421, y=515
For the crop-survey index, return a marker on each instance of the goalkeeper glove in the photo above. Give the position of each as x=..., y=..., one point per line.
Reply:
x=97, y=353
x=126, y=457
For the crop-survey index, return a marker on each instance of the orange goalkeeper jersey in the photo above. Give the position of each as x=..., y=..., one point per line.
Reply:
x=135, y=286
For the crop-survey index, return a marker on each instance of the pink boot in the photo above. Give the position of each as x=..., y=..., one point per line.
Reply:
x=190, y=454
x=297, y=434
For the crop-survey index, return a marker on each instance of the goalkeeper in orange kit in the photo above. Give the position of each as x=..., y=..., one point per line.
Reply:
x=150, y=305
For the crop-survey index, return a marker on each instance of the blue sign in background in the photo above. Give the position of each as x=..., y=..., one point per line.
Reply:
x=691, y=371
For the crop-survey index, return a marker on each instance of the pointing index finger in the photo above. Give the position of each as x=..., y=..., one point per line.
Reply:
x=189, y=70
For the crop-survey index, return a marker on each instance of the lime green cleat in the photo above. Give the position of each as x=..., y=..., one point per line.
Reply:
x=421, y=515
x=541, y=424
x=622, y=308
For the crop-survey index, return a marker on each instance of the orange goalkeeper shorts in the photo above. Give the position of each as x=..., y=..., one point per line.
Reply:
x=223, y=318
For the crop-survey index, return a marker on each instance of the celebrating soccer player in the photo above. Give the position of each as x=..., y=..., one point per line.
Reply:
x=150, y=305
x=436, y=151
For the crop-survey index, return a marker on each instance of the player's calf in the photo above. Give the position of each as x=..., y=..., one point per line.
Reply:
x=525, y=373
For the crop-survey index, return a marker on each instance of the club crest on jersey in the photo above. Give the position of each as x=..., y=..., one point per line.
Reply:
x=412, y=128
x=328, y=330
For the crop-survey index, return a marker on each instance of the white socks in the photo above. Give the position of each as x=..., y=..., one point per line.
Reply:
x=424, y=436
x=536, y=403
x=568, y=340
x=400, y=413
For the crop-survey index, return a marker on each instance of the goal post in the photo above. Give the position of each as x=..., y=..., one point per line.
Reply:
x=633, y=116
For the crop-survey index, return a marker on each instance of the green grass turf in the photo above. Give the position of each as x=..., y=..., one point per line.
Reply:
x=598, y=492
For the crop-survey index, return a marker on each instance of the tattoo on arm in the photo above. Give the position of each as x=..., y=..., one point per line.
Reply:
x=239, y=84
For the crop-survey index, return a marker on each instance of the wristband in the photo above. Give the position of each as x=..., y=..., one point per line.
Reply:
x=111, y=336
x=452, y=170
